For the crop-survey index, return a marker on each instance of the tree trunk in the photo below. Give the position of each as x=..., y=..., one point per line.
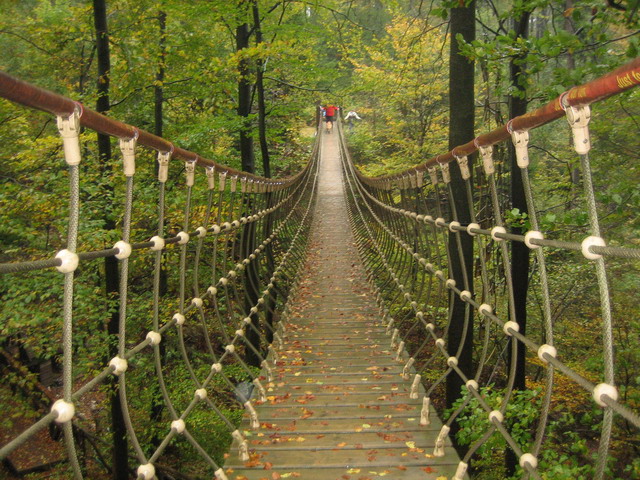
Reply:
x=262, y=114
x=271, y=302
x=119, y=431
x=243, y=35
x=244, y=101
x=519, y=251
x=461, y=130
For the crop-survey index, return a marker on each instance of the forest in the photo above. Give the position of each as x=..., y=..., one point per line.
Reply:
x=240, y=83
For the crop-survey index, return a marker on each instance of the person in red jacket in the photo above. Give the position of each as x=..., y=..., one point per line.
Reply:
x=329, y=114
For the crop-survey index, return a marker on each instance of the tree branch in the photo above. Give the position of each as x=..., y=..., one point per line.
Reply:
x=139, y=89
x=282, y=82
x=29, y=42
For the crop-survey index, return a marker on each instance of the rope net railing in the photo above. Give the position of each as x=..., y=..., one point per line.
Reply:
x=231, y=244
x=433, y=263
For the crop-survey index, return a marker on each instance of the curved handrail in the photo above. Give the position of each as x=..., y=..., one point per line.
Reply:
x=23, y=93
x=621, y=79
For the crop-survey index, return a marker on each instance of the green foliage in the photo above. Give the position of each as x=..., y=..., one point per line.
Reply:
x=520, y=416
x=403, y=109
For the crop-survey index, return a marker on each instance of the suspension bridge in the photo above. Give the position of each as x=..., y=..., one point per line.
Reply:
x=332, y=294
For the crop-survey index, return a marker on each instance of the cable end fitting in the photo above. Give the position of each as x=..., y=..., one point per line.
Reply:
x=154, y=338
x=201, y=393
x=146, y=472
x=179, y=318
x=589, y=242
x=69, y=261
x=533, y=235
x=65, y=411
x=496, y=415
x=604, y=389
x=119, y=365
x=178, y=426
x=158, y=243
x=528, y=459
x=471, y=384
x=124, y=250
x=547, y=350
x=509, y=326
x=495, y=231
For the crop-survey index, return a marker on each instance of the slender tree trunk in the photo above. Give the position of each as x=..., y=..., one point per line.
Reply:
x=461, y=130
x=262, y=114
x=519, y=251
x=244, y=101
x=266, y=167
x=119, y=432
x=243, y=35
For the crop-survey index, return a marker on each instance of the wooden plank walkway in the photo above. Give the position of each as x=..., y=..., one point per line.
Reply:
x=339, y=407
